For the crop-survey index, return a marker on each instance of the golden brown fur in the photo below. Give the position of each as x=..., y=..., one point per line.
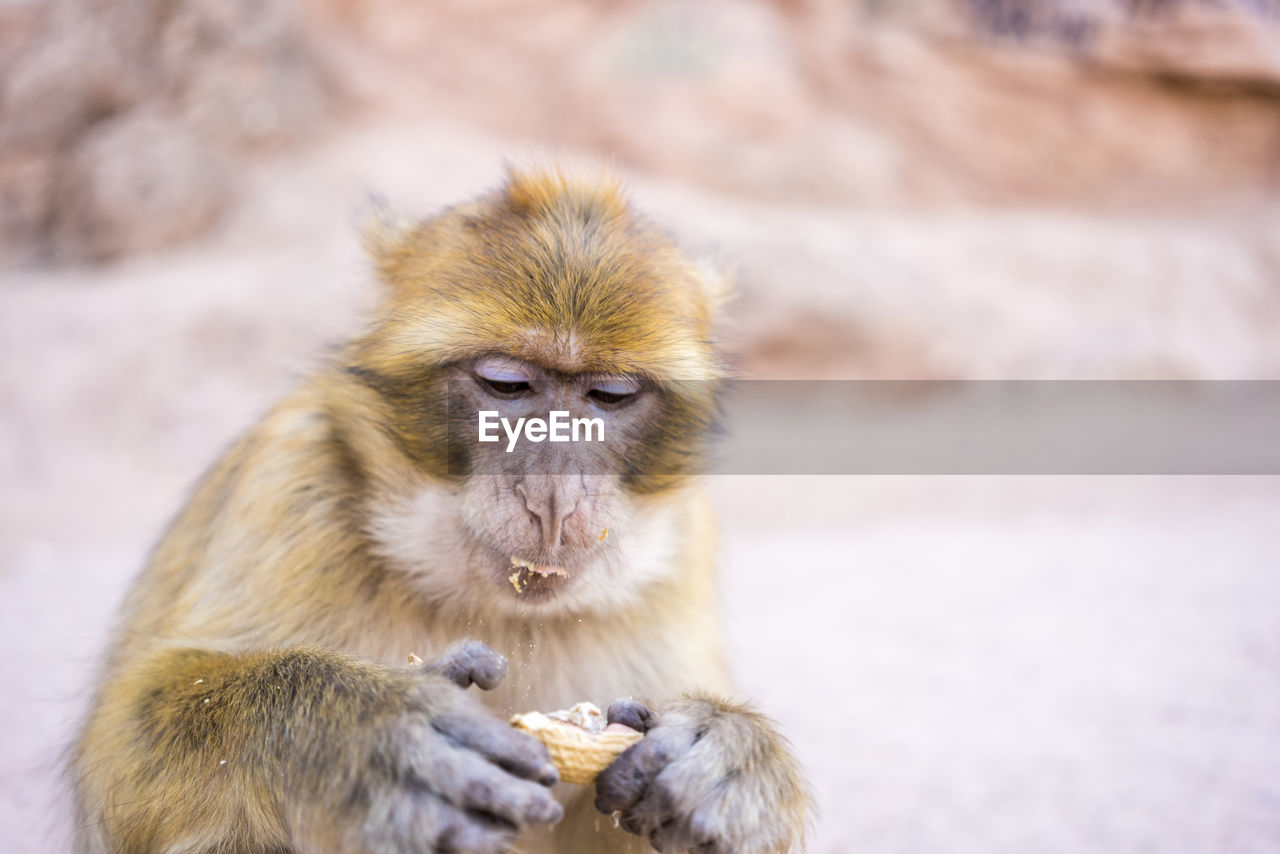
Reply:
x=258, y=664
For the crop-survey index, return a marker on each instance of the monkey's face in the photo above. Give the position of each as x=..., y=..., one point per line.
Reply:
x=544, y=372
x=562, y=488
x=545, y=453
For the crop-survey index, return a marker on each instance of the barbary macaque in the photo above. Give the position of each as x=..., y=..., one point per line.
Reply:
x=257, y=698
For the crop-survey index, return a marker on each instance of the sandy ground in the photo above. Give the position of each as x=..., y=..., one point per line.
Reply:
x=964, y=664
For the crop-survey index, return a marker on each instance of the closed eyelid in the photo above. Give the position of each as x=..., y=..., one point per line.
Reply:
x=615, y=385
x=503, y=371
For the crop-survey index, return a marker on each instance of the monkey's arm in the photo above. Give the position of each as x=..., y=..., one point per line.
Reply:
x=710, y=776
x=306, y=750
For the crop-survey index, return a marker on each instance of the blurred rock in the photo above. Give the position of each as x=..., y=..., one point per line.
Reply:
x=240, y=71
x=26, y=183
x=74, y=61
x=1121, y=103
x=136, y=182
x=1217, y=46
x=1097, y=104
x=1228, y=43
x=228, y=78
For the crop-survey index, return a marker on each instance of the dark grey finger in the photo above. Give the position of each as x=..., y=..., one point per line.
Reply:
x=399, y=819
x=509, y=749
x=468, y=662
x=631, y=824
x=632, y=713
x=490, y=790
x=671, y=836
x=620, y=785
x=655, y=808
x=474, y=834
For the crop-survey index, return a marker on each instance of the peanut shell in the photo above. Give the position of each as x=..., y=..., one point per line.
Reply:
x=578, y=755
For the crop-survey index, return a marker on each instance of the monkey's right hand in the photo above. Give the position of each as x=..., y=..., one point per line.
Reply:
x=439, y=772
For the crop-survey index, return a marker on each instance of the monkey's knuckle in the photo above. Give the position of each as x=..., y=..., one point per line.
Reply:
x=664, y=793
x=479, y=651
x=621, y=781
x=456, y=834
x=667, y=746
x=545, y=809
x=396, y=823
x=633, y=822
x=610, y=790
x=705, y=828
x=482, y=791
x=435, y=686
x=631, y=713
x=669, y=837
x=534, y=756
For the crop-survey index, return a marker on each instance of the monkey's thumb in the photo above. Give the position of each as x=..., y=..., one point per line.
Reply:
x=467, y=662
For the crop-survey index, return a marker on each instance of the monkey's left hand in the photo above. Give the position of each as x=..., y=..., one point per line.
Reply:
x=710, y=776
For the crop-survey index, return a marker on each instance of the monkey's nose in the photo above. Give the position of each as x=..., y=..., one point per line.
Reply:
x=551, y=499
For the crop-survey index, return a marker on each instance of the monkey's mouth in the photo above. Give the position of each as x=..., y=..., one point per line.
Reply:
x=528, y=577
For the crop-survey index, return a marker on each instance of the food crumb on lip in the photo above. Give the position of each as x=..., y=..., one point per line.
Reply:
x=544, y=570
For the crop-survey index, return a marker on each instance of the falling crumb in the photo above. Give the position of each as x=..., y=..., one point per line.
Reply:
x=198, y=681
x=414, y=660
x=616, y=815
x=603, y=534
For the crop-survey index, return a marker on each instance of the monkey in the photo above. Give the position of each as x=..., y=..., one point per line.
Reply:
x=256, y=698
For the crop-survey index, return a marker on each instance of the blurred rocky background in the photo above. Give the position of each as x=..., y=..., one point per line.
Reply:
x=1030, y=189
x=124, y=123
x=1092, y=182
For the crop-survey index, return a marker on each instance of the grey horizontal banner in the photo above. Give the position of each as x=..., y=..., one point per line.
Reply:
x=1001, y=427
x=898, y=427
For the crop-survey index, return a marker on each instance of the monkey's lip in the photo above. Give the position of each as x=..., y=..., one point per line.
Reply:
x=535, y=581
x=541, y=569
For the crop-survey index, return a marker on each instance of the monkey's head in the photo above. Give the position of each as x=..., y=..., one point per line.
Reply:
x=552, y=302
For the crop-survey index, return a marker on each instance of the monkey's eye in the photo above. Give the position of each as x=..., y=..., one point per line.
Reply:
x=612, y=392
x=505, y=388
x=503, y=379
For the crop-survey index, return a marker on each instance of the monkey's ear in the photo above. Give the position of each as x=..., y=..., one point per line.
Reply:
x=381, y=228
